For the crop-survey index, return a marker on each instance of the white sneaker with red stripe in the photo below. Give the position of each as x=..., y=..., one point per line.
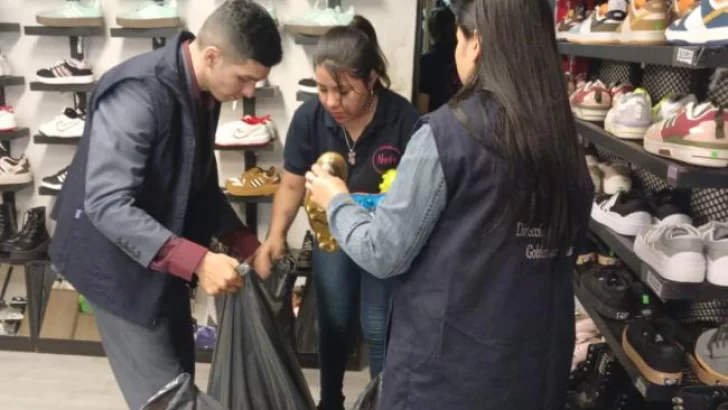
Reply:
x=248, y=131
x=68, y=71
x=7, y=119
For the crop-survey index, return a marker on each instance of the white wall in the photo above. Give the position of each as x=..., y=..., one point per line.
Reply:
x=394, y=21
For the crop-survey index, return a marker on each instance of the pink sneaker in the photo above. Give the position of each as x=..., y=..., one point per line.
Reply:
x=618, y=90
x=696, y=136
x=591, y=102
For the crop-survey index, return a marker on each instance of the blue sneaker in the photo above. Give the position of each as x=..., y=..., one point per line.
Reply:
x=706, y=24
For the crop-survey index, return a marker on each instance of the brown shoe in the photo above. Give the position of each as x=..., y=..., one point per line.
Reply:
x=254, y=182
x=334, y=164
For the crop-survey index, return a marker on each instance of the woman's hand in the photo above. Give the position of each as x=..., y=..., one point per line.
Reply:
x=323, y=186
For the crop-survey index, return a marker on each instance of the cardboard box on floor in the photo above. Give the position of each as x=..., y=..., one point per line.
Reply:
x=64, y=321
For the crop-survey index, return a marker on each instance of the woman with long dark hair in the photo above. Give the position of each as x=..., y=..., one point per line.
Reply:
x=357, y=116
x=479, y=226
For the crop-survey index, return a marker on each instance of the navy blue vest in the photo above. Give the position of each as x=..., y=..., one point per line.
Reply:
x=484, y=318
x=96, y=266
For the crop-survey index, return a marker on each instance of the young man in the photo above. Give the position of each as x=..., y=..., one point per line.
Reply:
x=142, y=198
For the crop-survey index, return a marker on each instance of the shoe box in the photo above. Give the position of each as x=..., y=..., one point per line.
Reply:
x=64, y=320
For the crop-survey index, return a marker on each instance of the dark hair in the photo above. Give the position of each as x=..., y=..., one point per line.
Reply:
x=519, y=73
x=441, y=26
x=243, y=29
x=353, y=50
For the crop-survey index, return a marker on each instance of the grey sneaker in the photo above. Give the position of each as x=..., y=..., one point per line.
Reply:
x=631, y=116
x=715, y=237
x=711, y=352
x=675, y=252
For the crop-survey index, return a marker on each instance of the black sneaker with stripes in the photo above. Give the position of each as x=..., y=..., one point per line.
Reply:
x=68, y=71
x=55, y=182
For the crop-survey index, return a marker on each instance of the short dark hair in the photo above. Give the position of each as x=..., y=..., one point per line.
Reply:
x=245, y=30
x=442, y=26
x=353, y=50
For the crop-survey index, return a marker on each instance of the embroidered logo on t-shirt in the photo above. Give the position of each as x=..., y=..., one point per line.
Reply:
x=385, y=158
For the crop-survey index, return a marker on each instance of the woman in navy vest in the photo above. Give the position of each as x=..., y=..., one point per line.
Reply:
x=478, y=227
x=357, y=116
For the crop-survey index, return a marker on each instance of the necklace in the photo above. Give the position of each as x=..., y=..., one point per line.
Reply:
x=352, y=146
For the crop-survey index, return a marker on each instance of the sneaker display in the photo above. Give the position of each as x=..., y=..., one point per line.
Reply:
x=615, y=177
x=319, y=20
x=624, y=213
x=7, y=119
x=55, y=181
x=245, y=132
x=651, y=347
x=670, y=206
x=675, y=252
x=73, y=13
x=591, y=102
x=32, y=240
x=671, y=105
x=70, y=124
x=151, y=14
x=706, y=24
x=254, y=182
x=601, y=27
x=696, y=136
x=15, y=171
x=5, y=67
x=609, y=291
x=715, y=239
x=68, y=71
x=631, y=116
x=645, y=23
x=308, y=85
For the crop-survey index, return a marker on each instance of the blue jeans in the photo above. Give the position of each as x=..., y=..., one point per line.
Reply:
x=347, y=296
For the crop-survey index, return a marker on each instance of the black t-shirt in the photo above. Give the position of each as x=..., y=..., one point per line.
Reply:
x=439, y=75
x=313, y=132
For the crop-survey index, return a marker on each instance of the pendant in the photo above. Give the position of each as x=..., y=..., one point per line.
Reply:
x=352, y=158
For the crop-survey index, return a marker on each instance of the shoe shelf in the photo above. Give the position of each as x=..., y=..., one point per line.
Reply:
x=43, y=191
x=10, y=80
x=612, y=330
x=676, y=56
x=305, y=40
x=64, y=31
x=9, y=28
x=161, y=32
x=304, y=96
x=664, y=289
x=42, y=139
x=263, y=148
x=14, y=187
x=14, y=135
x=675, y=173
x=250, y=199
x=62, y=88
x=267, y=92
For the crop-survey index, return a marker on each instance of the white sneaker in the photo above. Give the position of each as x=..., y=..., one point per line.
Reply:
x=715, y=237
x=671, y=105
x=631, y=116
x=626, y=213
x=675, y=252
x=7, y=119
x=246, y=132
x=70, y=124
x=15, y=171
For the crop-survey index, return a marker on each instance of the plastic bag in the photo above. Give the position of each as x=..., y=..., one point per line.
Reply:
x=182, y=394
x=254, y=366
x=369, y=398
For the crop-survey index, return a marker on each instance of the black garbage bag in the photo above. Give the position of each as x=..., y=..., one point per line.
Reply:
x=254, y=367
x=306, y=332
x=369, y=398
x=182, y=394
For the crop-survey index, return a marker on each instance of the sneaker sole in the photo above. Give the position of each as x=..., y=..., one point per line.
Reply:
x=706, y=157
x=31, y=254
x=652, y=375
x=70, y=22
x=590, y=114
x=74, y=79
x=149, y=23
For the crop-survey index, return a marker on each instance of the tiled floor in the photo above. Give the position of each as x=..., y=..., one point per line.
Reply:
x=33, y=381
